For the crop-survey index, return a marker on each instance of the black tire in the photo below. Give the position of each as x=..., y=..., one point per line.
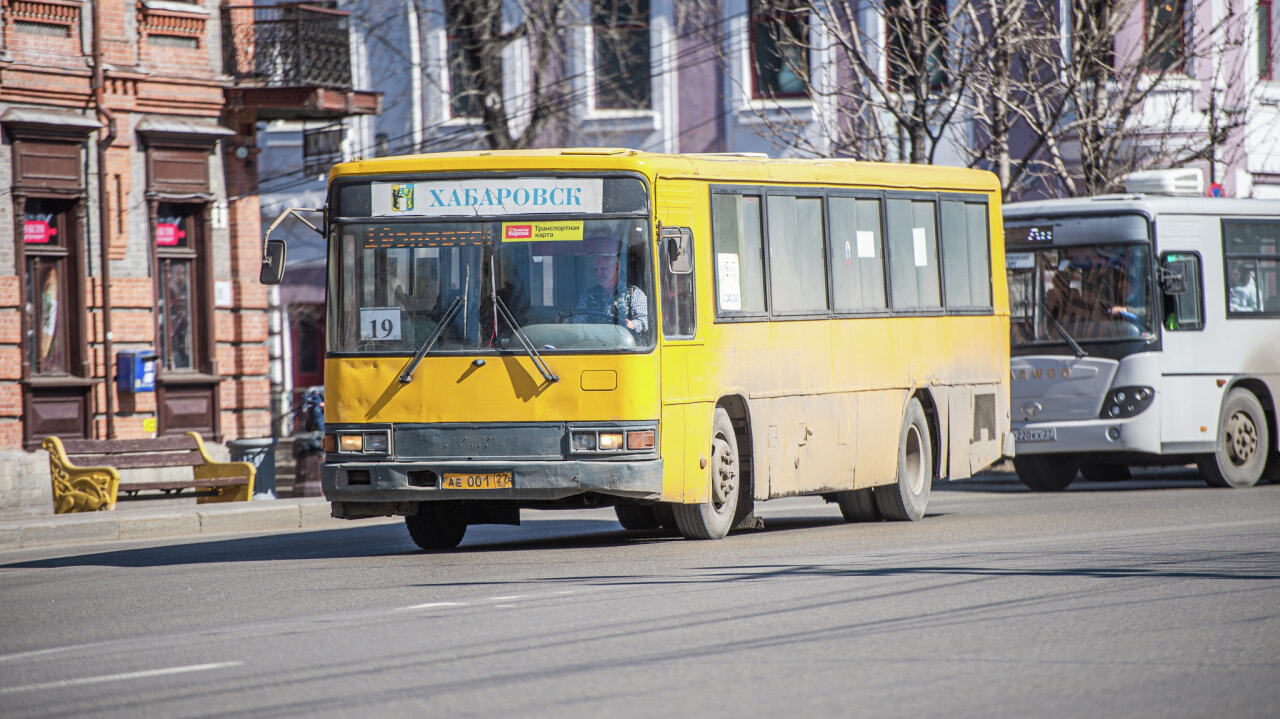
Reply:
x=714, y=519
x=666, y=515
x=858, y=505
x=907, y=498
x=1244, y=444
x=437, y=525
x=1046, y=472
x=1105, y=472
x=637, y=516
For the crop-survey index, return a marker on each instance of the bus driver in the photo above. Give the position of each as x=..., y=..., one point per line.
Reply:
x=629, y=308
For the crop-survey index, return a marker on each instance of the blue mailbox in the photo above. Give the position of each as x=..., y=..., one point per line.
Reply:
x=136, y=371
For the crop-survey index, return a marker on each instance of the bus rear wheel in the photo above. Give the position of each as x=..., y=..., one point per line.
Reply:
x=858, y=505
x=1243, y=446
x=714, y=519
x=1046, y=472
x=907, y=498
x=437, y=525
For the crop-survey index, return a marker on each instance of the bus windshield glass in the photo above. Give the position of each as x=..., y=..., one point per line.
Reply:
x=1094, y=292
x=570, y=285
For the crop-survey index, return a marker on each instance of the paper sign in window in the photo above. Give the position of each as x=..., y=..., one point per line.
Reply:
x=379, y=324
x=730, y=286
x=866, y=243
x=922, y=250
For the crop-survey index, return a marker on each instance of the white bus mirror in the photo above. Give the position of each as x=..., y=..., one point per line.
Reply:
x=272, y=263
x=1173, y=279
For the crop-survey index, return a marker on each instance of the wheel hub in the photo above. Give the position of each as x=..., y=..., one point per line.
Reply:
x=1242, y=438
x=725, y=477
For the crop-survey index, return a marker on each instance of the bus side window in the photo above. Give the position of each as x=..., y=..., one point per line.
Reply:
x=679, y=319
x=1182, y=292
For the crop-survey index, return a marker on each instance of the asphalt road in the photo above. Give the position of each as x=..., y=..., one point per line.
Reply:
x=1155, y=597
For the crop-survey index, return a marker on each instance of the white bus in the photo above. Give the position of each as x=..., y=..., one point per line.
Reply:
x=1145, y=330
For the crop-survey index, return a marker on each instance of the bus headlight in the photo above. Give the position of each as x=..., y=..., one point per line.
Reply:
x=351, y=443
x=612, y=439
x=1125, y=402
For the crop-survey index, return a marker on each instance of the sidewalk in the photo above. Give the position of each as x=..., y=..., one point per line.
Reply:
x=167, y=518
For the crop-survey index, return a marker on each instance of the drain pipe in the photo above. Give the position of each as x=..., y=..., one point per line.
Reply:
x=106, y=116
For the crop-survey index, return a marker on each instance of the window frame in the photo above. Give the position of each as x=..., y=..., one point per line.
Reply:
x=456, y=52
x=771, y=301
x=666, y=275
x=1198, y=288
x=965, y=199
x=196, y=255
x=855, y=194
x=69, y=255
x=916, y=196
x=1153, y=61
x=1228, y=257
x=613, y=34
x=758, y=17
x=829, y=192
x=937, y=9
x=1266, y=53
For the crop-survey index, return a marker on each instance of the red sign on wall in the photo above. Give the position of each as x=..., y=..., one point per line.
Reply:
x=168, y=234
x=37, y=232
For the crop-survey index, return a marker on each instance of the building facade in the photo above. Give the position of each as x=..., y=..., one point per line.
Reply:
x=129, y=221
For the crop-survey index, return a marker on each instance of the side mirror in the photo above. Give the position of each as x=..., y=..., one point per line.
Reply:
x=272, y=263
x=677, y=244
x=1173, y=279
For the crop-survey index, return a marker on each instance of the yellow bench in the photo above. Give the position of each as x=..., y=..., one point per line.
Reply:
x=93, y=481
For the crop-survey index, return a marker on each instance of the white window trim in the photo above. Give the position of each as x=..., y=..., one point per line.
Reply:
x=597, y=120
x=747, y=109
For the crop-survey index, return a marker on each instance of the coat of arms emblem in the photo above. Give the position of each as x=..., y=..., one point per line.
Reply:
x=401, y=198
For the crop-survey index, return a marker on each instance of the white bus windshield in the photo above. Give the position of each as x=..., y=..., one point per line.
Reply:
x=1095, y=292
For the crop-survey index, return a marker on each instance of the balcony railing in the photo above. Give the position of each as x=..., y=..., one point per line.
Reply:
x=287, y=45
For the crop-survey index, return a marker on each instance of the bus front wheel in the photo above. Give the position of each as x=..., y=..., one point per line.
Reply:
x=714, y=519
x=437, y=525
x=859, y=505
x=1046, y=472
x=907, y=498
x=1243, y=445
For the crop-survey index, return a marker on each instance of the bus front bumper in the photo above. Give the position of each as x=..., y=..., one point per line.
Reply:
x=1137, y=434
x=535, y=481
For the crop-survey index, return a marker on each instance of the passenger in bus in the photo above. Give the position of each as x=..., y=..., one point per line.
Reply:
x=605, y=303
x=1242, y=293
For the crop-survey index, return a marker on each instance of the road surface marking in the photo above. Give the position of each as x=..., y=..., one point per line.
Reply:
x=63, y=683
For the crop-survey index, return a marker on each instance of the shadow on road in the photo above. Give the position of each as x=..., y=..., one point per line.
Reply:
x=1002, y=480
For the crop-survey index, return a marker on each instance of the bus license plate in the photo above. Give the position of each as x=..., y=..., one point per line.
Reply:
x=1039, y=434
x=490, y=480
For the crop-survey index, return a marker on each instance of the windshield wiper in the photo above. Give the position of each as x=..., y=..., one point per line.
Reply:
x=1062, y=331
x=407, y=375
x=510, y=319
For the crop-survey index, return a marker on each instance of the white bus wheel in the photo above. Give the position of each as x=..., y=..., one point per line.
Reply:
x=907, y=498
x=1105, y=472
x=1046, y=472
x=437, y=525
x=1243, y=445
x=858, y=505
x=714, y=519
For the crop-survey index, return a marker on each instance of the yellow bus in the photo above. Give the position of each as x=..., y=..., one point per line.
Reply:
x=676, y=336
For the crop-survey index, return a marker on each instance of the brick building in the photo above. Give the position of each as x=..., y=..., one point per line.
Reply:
x=129, y=214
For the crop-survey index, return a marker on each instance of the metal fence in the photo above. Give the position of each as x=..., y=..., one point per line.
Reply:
x=287, y=45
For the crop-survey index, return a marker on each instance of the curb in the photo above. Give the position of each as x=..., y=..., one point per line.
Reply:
x=157, y=523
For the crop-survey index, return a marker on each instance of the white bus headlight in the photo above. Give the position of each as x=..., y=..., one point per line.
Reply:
x=1125, y=402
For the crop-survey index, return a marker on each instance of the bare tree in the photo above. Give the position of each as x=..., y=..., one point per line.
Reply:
x=1100, y=91
x=479, y=34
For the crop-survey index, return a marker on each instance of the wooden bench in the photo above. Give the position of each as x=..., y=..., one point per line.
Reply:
x=92, y=482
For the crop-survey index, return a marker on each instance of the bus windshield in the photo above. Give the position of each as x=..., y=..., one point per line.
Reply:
x=569, y=285
x=1095, y=292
